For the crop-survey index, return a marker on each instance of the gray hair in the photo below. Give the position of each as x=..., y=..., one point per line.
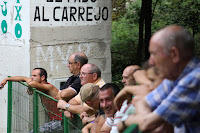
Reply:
x=95, y=69
x=80, y=58
x=179, y=37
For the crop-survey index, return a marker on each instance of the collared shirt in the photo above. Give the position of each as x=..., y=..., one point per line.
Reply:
x=125, y=111
x=178, y=102
x=119, y=116
x=74, y=83
x=100, y=82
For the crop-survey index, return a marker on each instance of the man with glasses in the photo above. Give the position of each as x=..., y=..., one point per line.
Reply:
x=73, y=84
x=90, y=73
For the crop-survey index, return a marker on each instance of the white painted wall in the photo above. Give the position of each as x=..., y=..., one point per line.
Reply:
x=56, y=33
x=14, y=47
x=46, y=37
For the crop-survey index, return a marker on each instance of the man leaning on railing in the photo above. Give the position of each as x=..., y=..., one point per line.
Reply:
x=38, y=80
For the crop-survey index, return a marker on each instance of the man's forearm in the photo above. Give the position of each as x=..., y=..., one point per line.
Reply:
x=18, y=78
x=67, y=94
x=142, y=107
x=87, y=128
x=144, y=117
x=75, y=109
x=73, y=101
x=90, y=118
x=15, y=78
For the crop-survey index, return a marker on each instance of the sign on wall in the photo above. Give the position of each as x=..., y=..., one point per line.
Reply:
x=69, y=12
x=14, y=19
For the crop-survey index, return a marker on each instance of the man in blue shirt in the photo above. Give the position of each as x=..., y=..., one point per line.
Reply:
x=177, y=99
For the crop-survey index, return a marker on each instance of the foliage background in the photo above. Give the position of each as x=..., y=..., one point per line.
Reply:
x=125, y=28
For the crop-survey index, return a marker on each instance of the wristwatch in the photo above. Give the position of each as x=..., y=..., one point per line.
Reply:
x=67, y=106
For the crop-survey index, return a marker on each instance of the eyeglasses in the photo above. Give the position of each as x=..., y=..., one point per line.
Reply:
x=83, y=74
x=71, y=63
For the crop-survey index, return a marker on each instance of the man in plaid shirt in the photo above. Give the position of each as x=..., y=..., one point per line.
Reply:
x=177, y=99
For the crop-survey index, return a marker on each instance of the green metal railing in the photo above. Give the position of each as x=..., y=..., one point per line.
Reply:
x=14, y=118
x=34, y=124
x=9, y=115
x=132, y=129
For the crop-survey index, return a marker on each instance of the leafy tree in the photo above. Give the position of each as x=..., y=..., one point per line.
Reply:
x=144, y=21
x=119, y=8
x=124, y=41
x=184, y=13
x=130, y=35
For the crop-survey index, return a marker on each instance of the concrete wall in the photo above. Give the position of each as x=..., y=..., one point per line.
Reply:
x=59, y=29
x=14, y=46
x=44, y=33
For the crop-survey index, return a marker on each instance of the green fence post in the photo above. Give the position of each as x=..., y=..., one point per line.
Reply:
x=132, y=129
x=65, y=124
x=35, y=111
x=9, y=115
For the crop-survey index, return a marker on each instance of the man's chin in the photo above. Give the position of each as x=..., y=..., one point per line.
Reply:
x=82, y=83
x=109, y=113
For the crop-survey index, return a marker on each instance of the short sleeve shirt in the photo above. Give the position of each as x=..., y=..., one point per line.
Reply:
x=74, y=82
x=178, y=102
x=122, y=115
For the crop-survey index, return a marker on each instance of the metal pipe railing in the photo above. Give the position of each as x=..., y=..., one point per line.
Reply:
x=36, y=94
x=35, y=111
x=9, y=114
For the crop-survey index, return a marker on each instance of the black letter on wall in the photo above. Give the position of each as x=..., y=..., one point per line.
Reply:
x=64, y=15
x=87, y=14
x=95, y=16
x=105, y=17
x=81, y=13
x=54, y=14
x=37, y=13
x=72, y=13
x=43, y=19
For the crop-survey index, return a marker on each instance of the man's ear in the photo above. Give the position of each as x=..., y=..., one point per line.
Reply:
x=79, y=65
x=175, y=54
x=43, y=78
x=94, y=76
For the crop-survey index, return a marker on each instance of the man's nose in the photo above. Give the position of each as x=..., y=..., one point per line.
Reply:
x=104, y=104
x=123, y=81
x=151, y=61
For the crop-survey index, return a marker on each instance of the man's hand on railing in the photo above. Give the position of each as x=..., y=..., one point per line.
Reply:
x=2, y=83
x=1, y=86
x=62, y=104
x=68, y=114
x=30, y=91
x=84, y=114
x=85, y=118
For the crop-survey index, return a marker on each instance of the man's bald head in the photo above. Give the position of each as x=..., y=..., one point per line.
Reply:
x=170, y=50
x=178, y=37
x=128, y=75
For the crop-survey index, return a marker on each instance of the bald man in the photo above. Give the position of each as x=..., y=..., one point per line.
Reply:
x=177, y=99
x=127, y=75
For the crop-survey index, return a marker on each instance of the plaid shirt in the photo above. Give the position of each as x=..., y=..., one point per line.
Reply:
x=178, y=102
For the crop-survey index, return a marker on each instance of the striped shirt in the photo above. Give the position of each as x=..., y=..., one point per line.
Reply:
x=119, y=116
x=178, y=102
